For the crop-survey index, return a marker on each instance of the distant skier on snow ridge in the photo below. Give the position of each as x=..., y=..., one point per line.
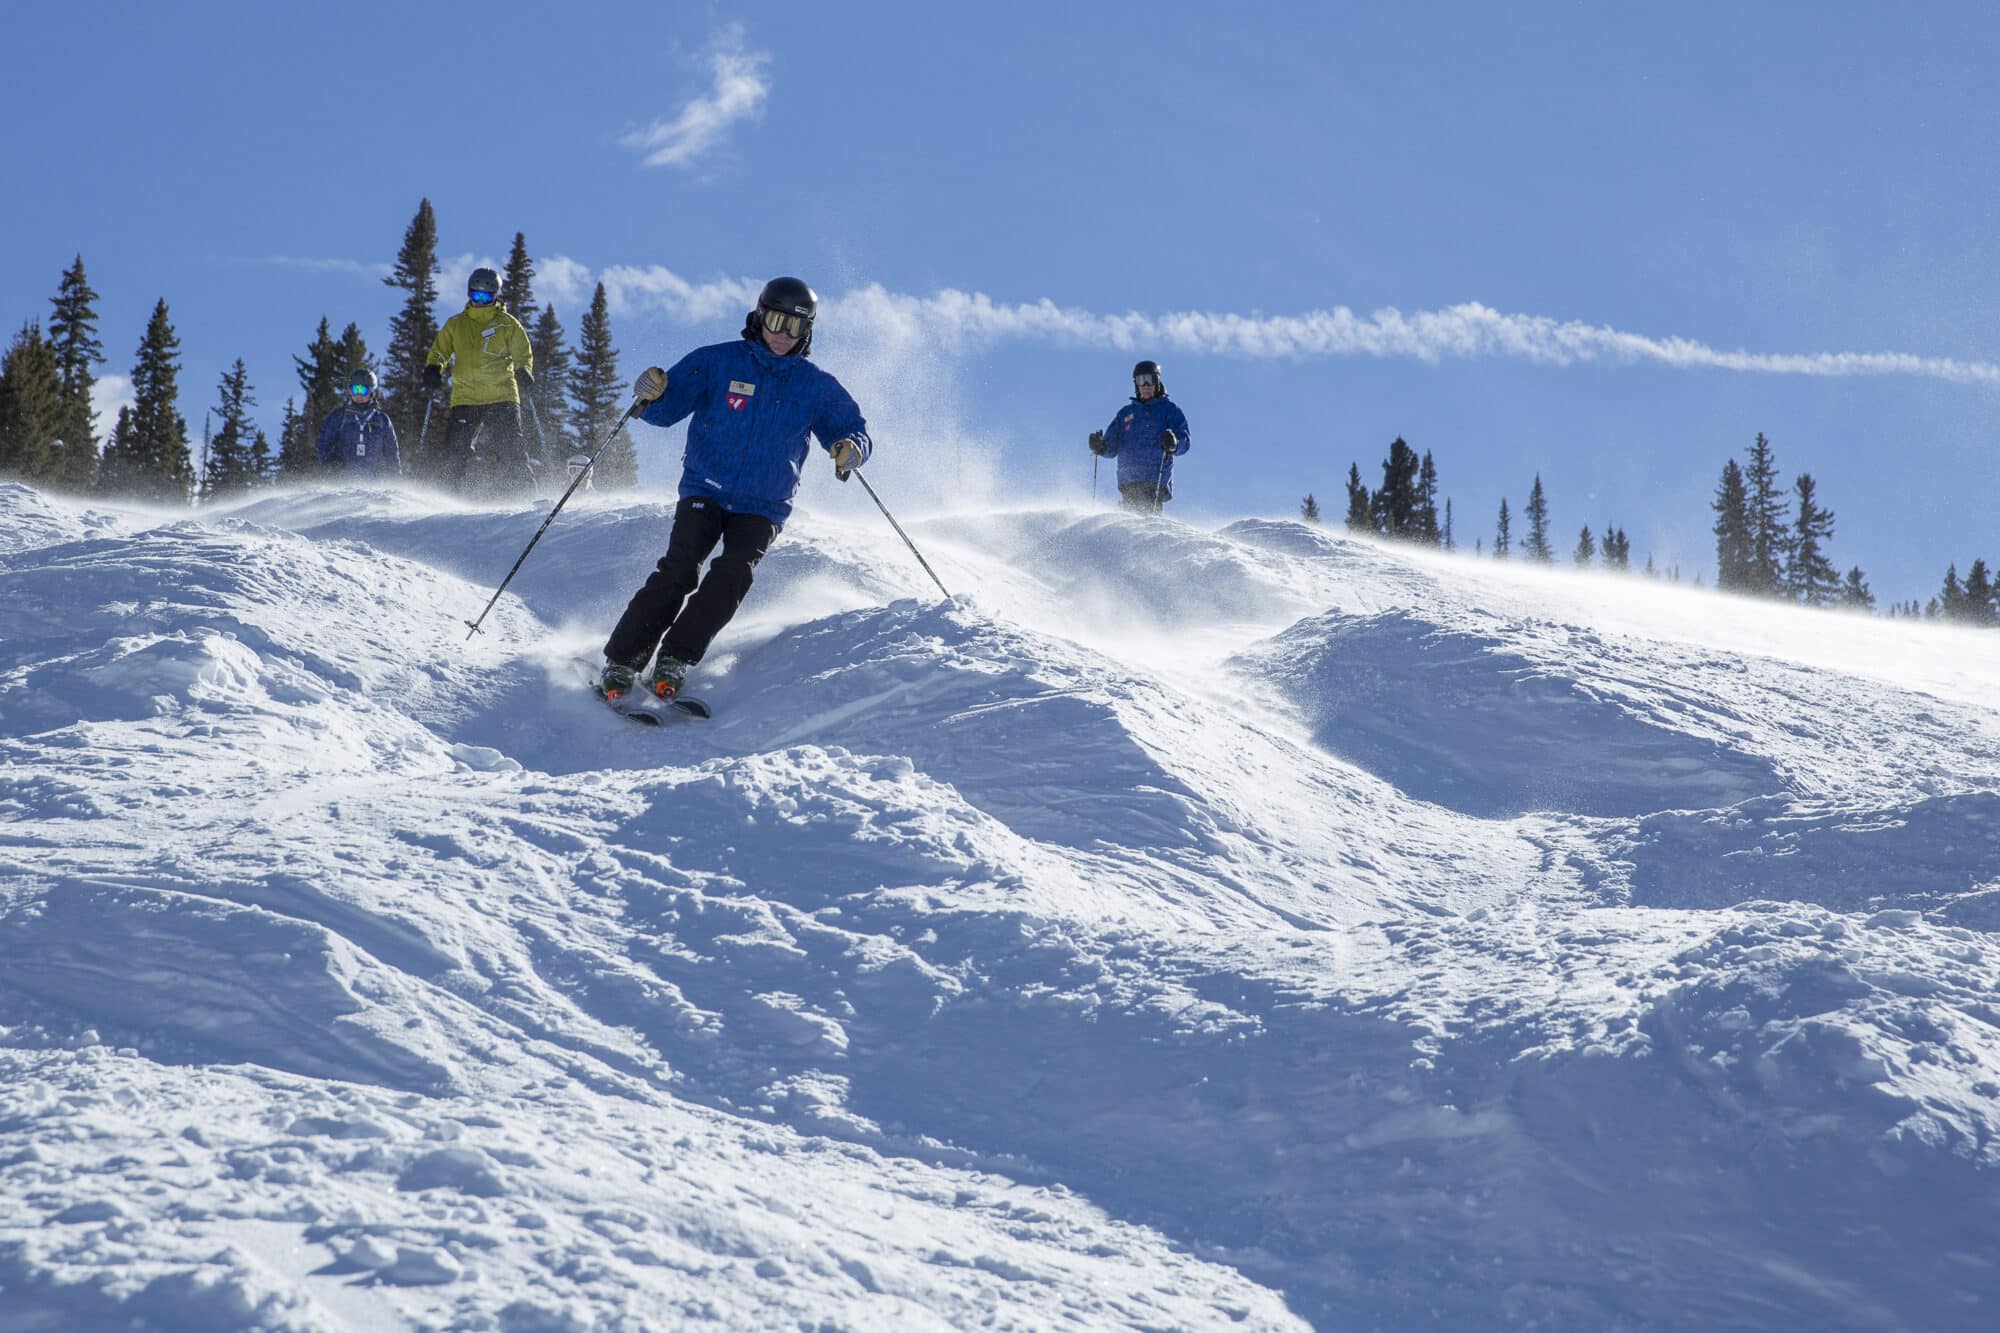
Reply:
x=1145, y=437
x=754, y=401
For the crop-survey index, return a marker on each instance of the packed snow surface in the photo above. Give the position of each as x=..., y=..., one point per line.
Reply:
x=1177, y=929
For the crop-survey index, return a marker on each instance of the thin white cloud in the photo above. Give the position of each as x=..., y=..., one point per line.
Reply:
x=959, y=322
x=737, y=94
x=1464, y=332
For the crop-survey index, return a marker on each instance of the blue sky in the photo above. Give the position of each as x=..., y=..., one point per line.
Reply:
x=1604, y=243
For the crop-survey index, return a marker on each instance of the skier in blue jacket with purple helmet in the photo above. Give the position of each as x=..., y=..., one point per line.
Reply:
x=1145, y=437
x=360, y=439
x=754, y=402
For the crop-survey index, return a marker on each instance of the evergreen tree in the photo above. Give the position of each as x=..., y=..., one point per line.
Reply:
x=1649, y=571
x=517, y=285
x=1854, y=594
x=1502, y=541
x=1977, y=607
x=1360, y=507
x=231, y=467
x=73, y=338
x=31, y=409
x=1734, y=554
x=1427, y=506
x=148, y=459
x=411, y=332
x=552, y=376
x=1810, y=577
x=352, y=356
x=1586, y=548
x=1765, y=506
x=263, y=468
x=1950, y=604
x=598, y=392
x=1538, y=548
x=1309, y=509
x=1617, y=548
x=298, y=458
x=1394, y=507
x=1447, y=526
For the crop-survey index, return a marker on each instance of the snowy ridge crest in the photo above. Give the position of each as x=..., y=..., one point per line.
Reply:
x=1250, y=928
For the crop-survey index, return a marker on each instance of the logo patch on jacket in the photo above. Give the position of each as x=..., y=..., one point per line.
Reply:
x=739, y=394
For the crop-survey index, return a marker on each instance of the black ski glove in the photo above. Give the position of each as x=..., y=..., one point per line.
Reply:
x=1168, y=441
x=1097, y=442
x=433, y=377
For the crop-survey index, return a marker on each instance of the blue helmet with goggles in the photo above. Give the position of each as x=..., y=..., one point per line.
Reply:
x=361, y=386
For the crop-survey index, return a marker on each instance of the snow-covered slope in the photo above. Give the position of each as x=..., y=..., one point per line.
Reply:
x=1250, y=928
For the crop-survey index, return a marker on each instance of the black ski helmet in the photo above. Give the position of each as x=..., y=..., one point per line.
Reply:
x=1152, y=370
x=785, y=296
x=358, y=376
x=482, y=280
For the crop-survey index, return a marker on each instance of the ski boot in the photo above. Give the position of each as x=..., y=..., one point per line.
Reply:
x=617, y=681
x=667, y=676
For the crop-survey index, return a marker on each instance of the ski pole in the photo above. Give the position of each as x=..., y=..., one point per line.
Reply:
x=424, y=432
x=575, y=482
x=856, y=474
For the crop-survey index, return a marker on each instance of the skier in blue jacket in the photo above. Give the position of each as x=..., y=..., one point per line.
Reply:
x=1145, y=437
x=754, y=402
x=359, y=439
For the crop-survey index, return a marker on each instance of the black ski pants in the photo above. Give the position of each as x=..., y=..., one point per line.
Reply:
x=482, y=452
x=662, y=605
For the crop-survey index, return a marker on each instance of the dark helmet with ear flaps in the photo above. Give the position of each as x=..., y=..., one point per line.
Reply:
x=786, y=305
x=1148, y=372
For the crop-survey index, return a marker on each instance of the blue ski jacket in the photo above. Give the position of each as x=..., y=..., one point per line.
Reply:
x=753, y=409
x=363, y=442
x=1133, y=438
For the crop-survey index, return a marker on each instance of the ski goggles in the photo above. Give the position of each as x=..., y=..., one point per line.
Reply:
x=1140, y=380
x=482, y=298
x=780, y=321
x=361, y=393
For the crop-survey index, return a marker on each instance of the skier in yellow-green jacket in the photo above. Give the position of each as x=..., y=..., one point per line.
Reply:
x=492, y=369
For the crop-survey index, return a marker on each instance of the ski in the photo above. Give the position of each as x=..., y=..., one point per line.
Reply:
x=644, y=708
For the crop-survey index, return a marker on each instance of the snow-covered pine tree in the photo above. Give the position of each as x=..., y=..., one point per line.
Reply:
x=231, y=467
x=598, y=393
x=517, y=286
x=73, y=337
x=411, y=332
x=1765, y=505
x=1538, y=547
x=1502, y=539
x=1427, y=506
x=1394, y=506
x=1309, y=509
x=149, y=457
x=1586, y=548
x=552, y=375
x=1360, y=506
x=1854, y=593
x=1977, y=607
x=1734, y=555
x=1810, y=578
x=31, y=409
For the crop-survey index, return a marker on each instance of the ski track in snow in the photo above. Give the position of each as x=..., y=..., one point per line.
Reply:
x=1180, y=929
